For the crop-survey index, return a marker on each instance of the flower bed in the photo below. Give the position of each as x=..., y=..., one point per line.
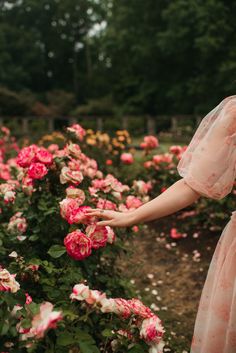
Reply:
x=48, y=244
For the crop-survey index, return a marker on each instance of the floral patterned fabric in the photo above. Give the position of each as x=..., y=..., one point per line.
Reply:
x=209, y=167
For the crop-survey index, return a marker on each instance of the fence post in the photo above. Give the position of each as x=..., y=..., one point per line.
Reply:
x=151, y=125
x=50, y=124
x=25, y=125
x=174, y=123
x=125, y=123
x=99, y=123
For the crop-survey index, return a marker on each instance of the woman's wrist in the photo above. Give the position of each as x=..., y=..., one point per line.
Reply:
x=133, y=218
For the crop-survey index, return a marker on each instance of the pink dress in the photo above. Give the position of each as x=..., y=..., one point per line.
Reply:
x=209, y=167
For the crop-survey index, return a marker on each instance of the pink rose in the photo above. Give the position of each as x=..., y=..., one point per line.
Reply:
x=98, y=235
x=8, y=282
x=43, y=156
x=133, y=202
x=139, y=309
x=53, y=148
x=106, y=204
x=70, y=176
x=175, y=149
x=150, y=142
x=142, y=187
x=78, y=245
x=69, y=207
x=83, y=293
x=27, y=156
x=17, y=224
x=77, y=130
x=37, y=170
x=127, y=158
x=152, y=330
x=27, y=185
x=28, y=299
x=73, y=150
x=78, y=194
x=123, y=307
x=5, y=172
x=110, y=235
x=45, y=319
x=80, y=292
x=78, y=215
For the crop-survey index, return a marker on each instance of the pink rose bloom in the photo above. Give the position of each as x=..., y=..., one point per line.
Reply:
x=127, y=158
x=78, y=245
x=139, y=309
x=142, y=187
x=110, y=235
x=75, y=164
x=72, y=149
x=79, y=215
x=80, y=292
x=28, y=299
x=147, y=164
x=5, y=171
x=37, y=170
x=90, y=168
x=106, y=204
x=123, y=307
x=74, y=193
x=108, y=305
x=70, y=176
x=27, y=185
x=109, y=162
x=175, y=150
x=67, y=206
x=152, y=330
x=43, y=156
x=157, y=158
x=46, y=319
x=150, y=142
x=5, y=130
x=7, y=192
x=8, y=282
x=98, y=235
x=77, y=130
x=17, y=224
x=53, y=148
x=133, y=202
x=83, y=293
x=27, y=156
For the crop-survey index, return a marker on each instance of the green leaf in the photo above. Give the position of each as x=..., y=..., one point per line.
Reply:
x=107, y=333
x=56, y=251
x=87, y=347
x=66, y=339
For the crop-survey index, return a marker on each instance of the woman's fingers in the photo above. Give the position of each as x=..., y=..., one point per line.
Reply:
x=99, y=213
x=104, y=223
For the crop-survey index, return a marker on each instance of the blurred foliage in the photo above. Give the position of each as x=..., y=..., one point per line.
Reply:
x=152, y=57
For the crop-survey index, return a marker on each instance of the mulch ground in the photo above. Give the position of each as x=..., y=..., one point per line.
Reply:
x=169, y=276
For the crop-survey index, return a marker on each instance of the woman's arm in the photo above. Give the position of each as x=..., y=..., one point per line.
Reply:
x=177, y=196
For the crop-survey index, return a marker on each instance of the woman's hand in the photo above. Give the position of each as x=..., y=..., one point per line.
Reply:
x=113, y=218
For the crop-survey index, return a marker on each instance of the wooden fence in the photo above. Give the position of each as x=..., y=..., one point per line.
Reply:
x=24, y=123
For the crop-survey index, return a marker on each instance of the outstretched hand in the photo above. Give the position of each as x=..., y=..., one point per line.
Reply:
x=112, y=218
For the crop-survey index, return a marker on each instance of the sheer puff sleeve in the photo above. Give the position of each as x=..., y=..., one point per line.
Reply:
x=209, y=163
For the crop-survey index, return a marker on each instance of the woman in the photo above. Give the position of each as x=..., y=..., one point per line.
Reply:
x=208, y=169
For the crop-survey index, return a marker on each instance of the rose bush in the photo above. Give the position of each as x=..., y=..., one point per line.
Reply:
x=48, y=244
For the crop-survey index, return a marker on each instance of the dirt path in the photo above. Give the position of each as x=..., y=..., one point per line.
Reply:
x=169, y=275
